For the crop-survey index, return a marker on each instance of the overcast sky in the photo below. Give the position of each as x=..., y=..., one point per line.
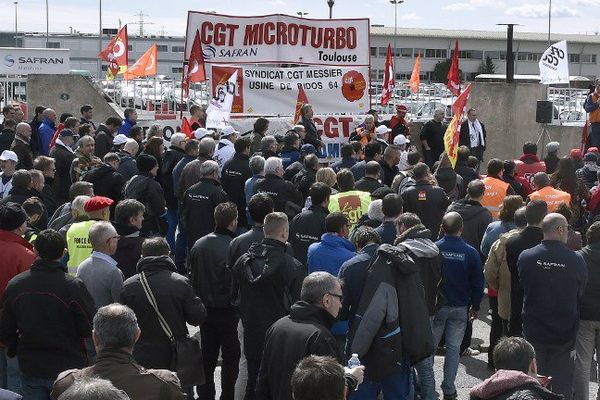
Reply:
x=170, y=16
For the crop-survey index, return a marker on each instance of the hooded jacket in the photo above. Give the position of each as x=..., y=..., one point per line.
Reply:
x=476, y=219
x=145, y=189
x=307, y=228
x=104, y=141
x=429, y=260
x=450, y=181
x=127, y=165
x=176, y=301
x=392, y=321
x=511, y=385
x=107, y=182
x=129, y=249
x=265, y=283
x=303, y=333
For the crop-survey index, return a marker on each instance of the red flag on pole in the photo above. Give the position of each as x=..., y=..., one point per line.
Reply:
x=388, y=78
x=186, y=128
x=452, y=135
x=194, y=70
x=415, y=77
x=302, y=100
x=116, y=54
x=454, y=73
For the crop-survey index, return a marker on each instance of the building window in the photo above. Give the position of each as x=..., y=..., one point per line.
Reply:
x=496, y=55
x=406, y=52
x=471, y=54
x=380, y=74
x=177, y=70
x=162, y=47
x=373, y=51
x=177, y=49
x=432, y=53
x=53, y=45
x=582, y=58
x=382, y=51
x=374, y=74
x=533, y=57
x=130, y=47
x=105, y=67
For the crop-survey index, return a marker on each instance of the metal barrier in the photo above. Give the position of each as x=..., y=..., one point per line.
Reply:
x=568, y=105
x=13, y=90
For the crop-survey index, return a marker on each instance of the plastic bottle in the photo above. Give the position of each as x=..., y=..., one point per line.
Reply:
x=354, y=362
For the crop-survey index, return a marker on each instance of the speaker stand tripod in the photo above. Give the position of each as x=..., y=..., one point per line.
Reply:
x=542, y=138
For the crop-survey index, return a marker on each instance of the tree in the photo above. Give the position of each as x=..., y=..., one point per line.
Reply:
x=487, y=67
x=440, y=71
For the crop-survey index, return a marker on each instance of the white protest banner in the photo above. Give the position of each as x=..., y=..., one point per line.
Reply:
x=272, y=39
x=219, y=109
x=274, y=91
x=23, y=61
x=554, y=64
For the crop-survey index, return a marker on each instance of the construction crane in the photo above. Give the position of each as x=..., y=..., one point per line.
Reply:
x=141, y=22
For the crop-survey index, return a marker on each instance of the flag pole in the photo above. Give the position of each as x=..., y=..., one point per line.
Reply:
x=182, y=83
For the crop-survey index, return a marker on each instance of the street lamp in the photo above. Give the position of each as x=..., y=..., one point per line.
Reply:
x=47, y=23
x=16, y=3
x=99, y=61
x=549, y=19
x=301, y=14
x=330, y=3
x=395, y=3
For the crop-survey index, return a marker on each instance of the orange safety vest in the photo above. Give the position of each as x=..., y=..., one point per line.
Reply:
x=495, y=192
x=594, y=116
x=552, y=197
x=527, y=171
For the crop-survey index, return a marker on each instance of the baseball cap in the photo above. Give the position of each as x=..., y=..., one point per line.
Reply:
x=201, y=132
x=382, y=130
x=590, y=157
x=228, y=131
x=399, y=140
x=9, y=155
x=97, y=203
x=120, y=139
x=308, y=149
x=576, y=154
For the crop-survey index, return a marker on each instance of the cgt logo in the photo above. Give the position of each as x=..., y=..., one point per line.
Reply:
x=209, y=52
x=9, y=60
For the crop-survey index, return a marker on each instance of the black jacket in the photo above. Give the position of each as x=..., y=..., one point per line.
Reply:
x=428, y=202
x=266, y=282
x=107, y=182
x=6, y=138
x=388, y=173
x=368, y=184
x=208, y=265
x=551, y=161
x=176, y=301
x=429, y=259
x=515, y=185
x=129, y=249
x=170, y=159
x=24, y=154
x=196, y=215
x=305, y=332
x=589, y=304
x=36, y=144
x=451, y=182
x=63, y=158
x=235, y=173
x=147, y=191
x=348, y=163
x=104, y=141
x=17, y=195
x=127, y=165
x=304, y=180
x=312, y=137
x=45, y=313
x=467, y=173
x=476, y=219
x=530, y=236
x=48, y=197
x=280, y=191
x=465, y=139
x=392, y=321
x=307, y=228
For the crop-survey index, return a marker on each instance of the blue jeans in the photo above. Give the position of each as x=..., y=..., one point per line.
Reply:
x=172, y=220
x=454, y=321
x=36, y=388
x=10, y=375
x=426, y=376
x=396, y=386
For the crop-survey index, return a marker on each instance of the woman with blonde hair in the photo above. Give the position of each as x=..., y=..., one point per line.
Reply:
x=328, y=177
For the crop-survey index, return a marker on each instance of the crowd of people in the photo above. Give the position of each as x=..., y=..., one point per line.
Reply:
x=306, y=280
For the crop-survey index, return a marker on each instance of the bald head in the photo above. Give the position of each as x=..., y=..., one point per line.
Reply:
x=23, y=129
x=541, y=180
x=555, y=227
x=452, y=224
x=131, y=147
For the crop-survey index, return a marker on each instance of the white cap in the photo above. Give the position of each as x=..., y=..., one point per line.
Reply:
x=201, y=132
x=9, y=155
x=228, y=131
x=399, y=140
x=382, y=130
x=120, y=139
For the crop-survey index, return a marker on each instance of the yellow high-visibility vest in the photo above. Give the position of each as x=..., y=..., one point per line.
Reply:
x=78, y=244
x=353, y=204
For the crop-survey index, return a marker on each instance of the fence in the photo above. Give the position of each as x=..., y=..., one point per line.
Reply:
x=13, y=90
x=568, y=105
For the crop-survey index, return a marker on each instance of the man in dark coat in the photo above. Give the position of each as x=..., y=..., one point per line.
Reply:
x=176, y=300
x=235, y=173
x=348, y=158
x=473, y=135
x=305, y=331
x=312, y=136
x=370, y=182
x=107, y=181
x=7, y=135
x=36, y=121
x=105, y=135
x=129, y=215
x=45, y=315
x=87, y=113
x=266, y=282
x=21, y=146
x=373, y=152
x=21, y=188
x=172, y=156
x=432, y=137
x=63, y=154
x=283, y=193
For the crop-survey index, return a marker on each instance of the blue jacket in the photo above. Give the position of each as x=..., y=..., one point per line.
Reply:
x=126, y=126
x=387, y=231
x=328, y=255
x=354, y=274
x=462, y=273
x=46, y=130
x=288, y=157
x=249, y=191
x=553, y=279
x=492, y=233
x=343, y=163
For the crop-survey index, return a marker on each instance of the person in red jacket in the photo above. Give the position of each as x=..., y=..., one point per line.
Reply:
x=17, y=256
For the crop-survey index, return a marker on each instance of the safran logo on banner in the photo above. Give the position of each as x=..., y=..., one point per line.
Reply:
x=209, y=52
x=9, y=60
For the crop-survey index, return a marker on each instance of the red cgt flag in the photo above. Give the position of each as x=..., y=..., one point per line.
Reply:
x=186, y=128
x=454, y=73
x=194, y=70
x=116, y=53
x=388, y=78
x=302, y=100
x=415, y=77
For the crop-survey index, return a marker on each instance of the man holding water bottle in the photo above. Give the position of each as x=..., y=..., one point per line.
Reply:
x=306, y=331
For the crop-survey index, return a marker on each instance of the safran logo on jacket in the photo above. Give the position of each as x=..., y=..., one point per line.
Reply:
x=454, y=256
x=550, y=264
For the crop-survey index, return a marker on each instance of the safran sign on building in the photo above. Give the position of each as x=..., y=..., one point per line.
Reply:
x=22, y=61
x=279, y=38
